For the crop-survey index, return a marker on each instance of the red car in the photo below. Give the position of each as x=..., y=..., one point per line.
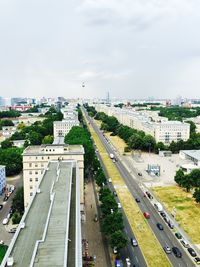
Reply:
x=146, y=215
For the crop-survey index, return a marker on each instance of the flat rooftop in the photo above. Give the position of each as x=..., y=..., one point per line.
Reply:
x=54, y=149
x=192, y=153
x=47, y=221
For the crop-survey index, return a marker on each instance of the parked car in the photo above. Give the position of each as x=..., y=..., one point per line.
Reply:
x=109, y=180
x=115, y=193
x=5, y=221
x=167, y=249
x=115, y=251
x=1, y=242
x=177, y=252
x=171, y=225
x=119, y=205
x=185, y=243
x=178, y=235
x=1, y=206
x=139, y=174
x=128, y=262
x=192, y=252
x=163, y=214
x=160, y=226
x=137, y=200
x=146, y=215
x=197, y=260
x=12, y=230
x=134, y=242
x=5, y=198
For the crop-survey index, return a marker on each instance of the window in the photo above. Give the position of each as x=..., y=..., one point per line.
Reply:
x=36, y=165
x=30, y=164
x=31, y=187
x=36, y=179
x=31, y=193
x=30, y=179
x=30, y=172
x=36, y=172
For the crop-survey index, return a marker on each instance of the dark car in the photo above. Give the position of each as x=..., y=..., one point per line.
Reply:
x=163, y=214
x=5, y=198
x=1, y=207
x=192, y=252
x=139, y=174
x=178, y=235
x=149, y=195
x=160, y=226
x=12, y=230
x=177, y=252
x=197, y=260
x=137, y=200
x=171, y=225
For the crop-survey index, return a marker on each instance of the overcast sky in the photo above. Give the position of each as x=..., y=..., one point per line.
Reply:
x=131, y=48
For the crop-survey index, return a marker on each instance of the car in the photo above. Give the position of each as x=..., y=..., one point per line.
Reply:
x=137, y=200
x=177, y=252
x=149, y=195
x=146, y=215
x=134, y=242
x=185, y=243
x=5, y=221
x=192, y=252
x=167, y=250
x=178, y=235
x=5, y=198
x=115, y=250
x=139, y=174
x=109, y=180
x=128, y=262
x=170, y=224
x=113, y=160
x=12, y=230
x=1, y=207
x=115, y=193
x=119, y=205
x=166, y=219
x=197, y=260
x=163, y=214
x=160, y=226
x=1, y=242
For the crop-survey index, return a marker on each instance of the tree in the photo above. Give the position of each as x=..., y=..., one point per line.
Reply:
x=118, y=239
x=18, y=201
x=149, y=143
x=160, y=147
x=179, y=177
x=108, y=204
x=16, y=218
x=112, y=223
x=6, y=144
x=192, y=127
x=196, y=195
x=5, y=123
x=195, y=177
x=35, y=138
x=48, y=139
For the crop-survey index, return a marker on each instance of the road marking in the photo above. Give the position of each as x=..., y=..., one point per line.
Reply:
x=136, y=259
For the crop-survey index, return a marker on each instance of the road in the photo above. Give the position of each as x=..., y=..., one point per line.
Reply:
x=17, y=182
x=165, y=237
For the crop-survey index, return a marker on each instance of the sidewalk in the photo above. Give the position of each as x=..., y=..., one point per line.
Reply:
x=91, y=229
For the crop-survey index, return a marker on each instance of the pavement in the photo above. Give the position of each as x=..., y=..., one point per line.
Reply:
x=91, y=229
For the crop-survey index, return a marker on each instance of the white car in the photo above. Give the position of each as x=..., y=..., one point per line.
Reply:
x=109, y=180
x=5, y=221
x=115, y=250
x=128, y=262
x=119, y=205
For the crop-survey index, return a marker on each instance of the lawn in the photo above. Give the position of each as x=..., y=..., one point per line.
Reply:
x=3, y=250
x=151, y=249
x=188, y=211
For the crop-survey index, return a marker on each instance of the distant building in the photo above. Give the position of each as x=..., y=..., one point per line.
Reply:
x=18, y=143
x=8, y=131
x=150, y=122
x=61, y=128
x=2, y=178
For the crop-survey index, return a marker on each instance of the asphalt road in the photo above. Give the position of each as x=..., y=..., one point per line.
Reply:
x=165, y=237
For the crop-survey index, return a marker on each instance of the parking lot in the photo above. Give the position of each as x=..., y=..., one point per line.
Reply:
x=168, y=168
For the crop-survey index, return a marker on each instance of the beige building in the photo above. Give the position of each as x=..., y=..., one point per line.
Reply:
x=36, y=159
x=61, y=128
x=150, y=122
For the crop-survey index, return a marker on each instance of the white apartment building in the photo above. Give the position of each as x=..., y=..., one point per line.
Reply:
x=61, y=128
x=151, y=123
x=36, y=159
x=2, y=178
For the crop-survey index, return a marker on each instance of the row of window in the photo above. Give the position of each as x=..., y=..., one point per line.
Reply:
x=31, y=179
x=36, y=165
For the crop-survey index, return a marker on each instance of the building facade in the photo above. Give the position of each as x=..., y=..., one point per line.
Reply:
x=61, y=128
x=2, y=178
x=150, y=122
x=36, y=159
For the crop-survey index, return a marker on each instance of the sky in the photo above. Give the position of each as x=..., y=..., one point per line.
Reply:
x=131, y=48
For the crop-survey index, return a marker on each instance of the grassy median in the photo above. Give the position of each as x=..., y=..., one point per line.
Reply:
x=188, y=211
x=151, y=249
